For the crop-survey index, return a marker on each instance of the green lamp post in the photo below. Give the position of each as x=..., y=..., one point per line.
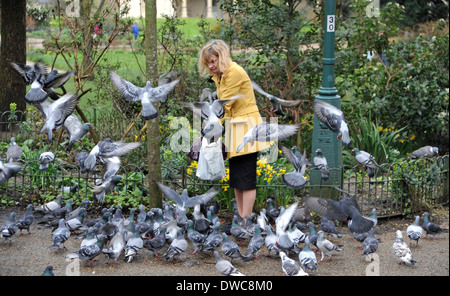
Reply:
x=324, y=138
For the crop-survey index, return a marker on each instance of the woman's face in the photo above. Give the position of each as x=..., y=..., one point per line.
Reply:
x=213, y=63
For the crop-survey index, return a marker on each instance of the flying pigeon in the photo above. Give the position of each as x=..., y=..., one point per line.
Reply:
x=414, y=231
x=321, y=163
x=224, y=267
x=44, y=159
x=307, y=257
x=8, y=170
x=146, y=95
x=370, y=244
x=296, y=178
x=76, y=129
x=26, y=220
x=165, y=79
x=333, y=118
x=230, y=248
x=367, y=160
x=9, y=227
x=61, y=234
x=430, y=227
x=36, y=76
x=183, y=200
x=14, y=152
x=267, y=132
x=255, y=244
x=402, y=251
x=326, y=247
x=282, y=223
x=426, y=151
x=177, y=247
x=58, y=112
x=291, y=267
x=116, y=246
x=277, y=103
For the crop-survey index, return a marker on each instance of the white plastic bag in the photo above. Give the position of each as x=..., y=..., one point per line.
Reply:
x=210, y=161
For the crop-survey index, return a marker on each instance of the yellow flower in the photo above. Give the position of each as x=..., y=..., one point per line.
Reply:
x=380, y=128
x=189, y=171
x=143, y=138
x=402, y=141
x=412, y=137
x=258, y=172
x=194, y=164
x=135, y=137
x=225, y=188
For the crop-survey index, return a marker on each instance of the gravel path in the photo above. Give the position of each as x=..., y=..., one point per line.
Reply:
x=30, y=254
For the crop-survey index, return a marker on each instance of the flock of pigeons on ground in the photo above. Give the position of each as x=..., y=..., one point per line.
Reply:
x=112, y=234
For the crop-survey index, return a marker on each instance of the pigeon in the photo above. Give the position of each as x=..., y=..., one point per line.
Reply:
x=333, y=118
x=75, y=213
x=237, y=230
x=291, y=267
x=423, y=152
x=307, y=257
x=88, y=252
x=48, y=271
x=373, y=217
x=282, y=223
x=342, y=210
x=313, y=235
x=61, y=234
x=177, y=247
x=262, y=220
x=296, y=178
x=26, y=220
x=255, y=244
x=430, y=227
x=321, y=163
x=9, y=227
x=295, y=234
x=44, y=159
x=133, y=246
x=77, y=222
x=271, y=241
x=213, y=240
x=329, y=228
x=70, y=189
x=156, y=243
x=116, y=246
x=230, y=248
x=195, y=237
x=277, y=103
x=326, y=247
x=7, y=171
x=76, y=130
x=367, y=160
x=183, y=200
x=14, y=152
x=52, y=218
x=414, y=231
x=50, y=206
x=146, y=95
x=165, y=79
x=57, y=113
x=224, y=267
x=105, y=188
x=107, y=148
x=267, y=132
x=36, y=76
x=272, y=212
x=370, y=244
x=301, y=215
x=171, y=228
x=402, y=251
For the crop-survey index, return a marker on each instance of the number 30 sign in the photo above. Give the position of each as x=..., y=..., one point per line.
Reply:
x=330, y=23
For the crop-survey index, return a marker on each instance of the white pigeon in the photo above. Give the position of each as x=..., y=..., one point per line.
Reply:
x=402, y=251
x=367, y=160
x=225, y=267
x=267, y=132
x=321, y=163
x=44, y=159
x=414, y=231
x=291, y=267
x=326, y=247
x=146, y=95
x=333, y=118
x=116, y=246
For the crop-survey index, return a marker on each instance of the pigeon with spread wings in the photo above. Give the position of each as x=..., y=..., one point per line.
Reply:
x=277, y=103
x=183, y=200
x=333, y=118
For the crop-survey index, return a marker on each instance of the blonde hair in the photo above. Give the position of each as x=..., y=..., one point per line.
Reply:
x=218, y=48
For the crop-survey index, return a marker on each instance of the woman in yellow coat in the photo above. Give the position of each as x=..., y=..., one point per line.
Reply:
x=240, y=115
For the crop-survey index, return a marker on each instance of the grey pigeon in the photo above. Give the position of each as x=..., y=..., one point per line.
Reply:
x=326, y=247
x=282, y=223
x=321, y=163
x=76, y=129
x=88, y=252
x=295, y=179
x=237, y=230
x=307, y=257
x=295, y=234
x=50, y=206
x=58, y=112
x=267, y=132
x=333, y=118
x=262, y=220
x=402, y=251
x=156, y=243
x=430, y=227
x=146, y=95
x=14, y=152
x=270, y=241
x=133, y=246
x=224, y=267
x=195, y=237
x=213, y=240
x=177, y=248
x=329, y=227
x=77, y=222
x=60, y=235
x=165, y=79
x=426, y=151
x=414, y=231
x=105, y=188
x=36, y=76
x=291, y=267
x=7, y=171
x=277, y=103
x=367, y=160
x=370, y=244
x=9, y=227
x=115, y=247
x=26, y=220
x=44, y=159
x=183, y=200
x=255, y=244
x=230, y=248
x=373, y=217
x=313, y=235
x=48, y=271
x=271, y=210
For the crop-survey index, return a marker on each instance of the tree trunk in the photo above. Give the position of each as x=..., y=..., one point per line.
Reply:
x=153, y=137
x=13, y=49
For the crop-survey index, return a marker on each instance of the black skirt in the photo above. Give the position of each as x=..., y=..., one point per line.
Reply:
x=243, y=171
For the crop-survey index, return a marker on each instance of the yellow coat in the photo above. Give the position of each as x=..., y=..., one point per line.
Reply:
x=240, y=115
